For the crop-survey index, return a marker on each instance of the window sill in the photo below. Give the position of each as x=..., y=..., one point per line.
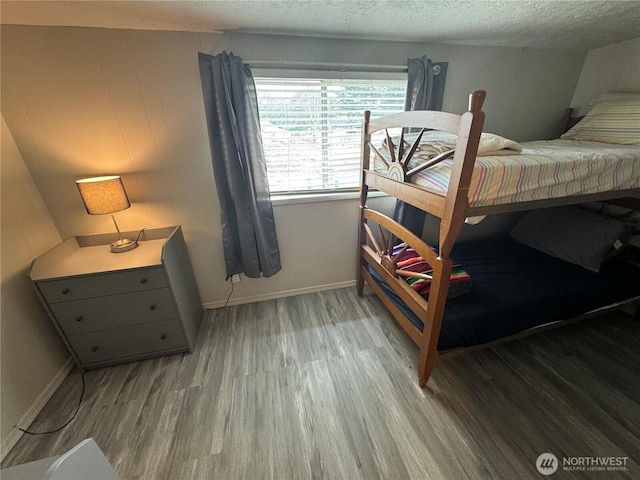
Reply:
x=277, y=200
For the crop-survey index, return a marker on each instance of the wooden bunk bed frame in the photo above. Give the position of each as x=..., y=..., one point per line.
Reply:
x=376, y=248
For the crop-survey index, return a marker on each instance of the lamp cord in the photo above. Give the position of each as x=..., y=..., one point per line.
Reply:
x=139, y=234
x=229, y=296
x=68, y=422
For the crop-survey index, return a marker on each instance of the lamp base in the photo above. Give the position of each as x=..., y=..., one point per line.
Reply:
x=123, y=245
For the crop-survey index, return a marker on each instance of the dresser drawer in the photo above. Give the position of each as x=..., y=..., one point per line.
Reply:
x=137, y=340
x=103, y=313
x=113, y=283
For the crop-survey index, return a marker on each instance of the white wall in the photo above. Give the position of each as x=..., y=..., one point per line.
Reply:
x=614, y=68
x=527, y=89
x=83, y=102
x=32, y=356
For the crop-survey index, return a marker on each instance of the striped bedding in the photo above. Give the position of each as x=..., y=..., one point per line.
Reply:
x=544, y=169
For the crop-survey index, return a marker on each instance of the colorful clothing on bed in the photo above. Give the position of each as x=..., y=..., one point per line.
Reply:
x=459, y=282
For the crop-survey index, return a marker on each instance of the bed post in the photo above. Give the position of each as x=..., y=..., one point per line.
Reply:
x=567, y=122
x=463, y=162
x=433, y=322
x=364, y=190
x=453, y=216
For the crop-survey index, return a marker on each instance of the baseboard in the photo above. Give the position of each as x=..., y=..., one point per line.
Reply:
x=14, y=434
x=282, y=294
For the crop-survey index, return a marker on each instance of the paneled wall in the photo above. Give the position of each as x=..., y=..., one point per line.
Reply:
x=527, y=88
x=82, y=102
x=32, y=356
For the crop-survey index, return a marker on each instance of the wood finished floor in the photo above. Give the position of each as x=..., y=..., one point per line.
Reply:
x=324, y=386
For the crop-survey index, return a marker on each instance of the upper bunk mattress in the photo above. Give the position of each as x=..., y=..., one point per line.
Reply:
x=544, y=169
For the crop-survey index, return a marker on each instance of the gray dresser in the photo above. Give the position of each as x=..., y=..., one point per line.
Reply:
x=112, y=308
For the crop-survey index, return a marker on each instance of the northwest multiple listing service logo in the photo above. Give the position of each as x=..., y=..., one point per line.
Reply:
x=548, y=464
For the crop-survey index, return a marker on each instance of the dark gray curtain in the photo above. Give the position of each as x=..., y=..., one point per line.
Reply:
x=424, y=92
x=248, y=228
x=419, y=94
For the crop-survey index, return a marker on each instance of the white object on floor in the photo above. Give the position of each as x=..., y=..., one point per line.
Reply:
x=85, y=461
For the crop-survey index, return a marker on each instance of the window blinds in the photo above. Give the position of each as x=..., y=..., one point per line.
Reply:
x=311, y=128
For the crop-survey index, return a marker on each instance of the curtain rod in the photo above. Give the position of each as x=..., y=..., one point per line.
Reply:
x=340, y=67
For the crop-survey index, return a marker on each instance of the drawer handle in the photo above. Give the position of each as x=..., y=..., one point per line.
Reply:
x=80, y=318
x=152, y=307
x=66, y=291
x=163, y=336
x=94, y=348
x=143, y=280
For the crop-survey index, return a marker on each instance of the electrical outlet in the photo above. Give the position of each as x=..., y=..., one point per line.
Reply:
x=235, y=278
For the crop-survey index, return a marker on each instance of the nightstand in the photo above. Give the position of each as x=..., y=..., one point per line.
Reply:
x=112, y=308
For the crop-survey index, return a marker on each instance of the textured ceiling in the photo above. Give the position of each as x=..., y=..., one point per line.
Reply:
x=517, y=23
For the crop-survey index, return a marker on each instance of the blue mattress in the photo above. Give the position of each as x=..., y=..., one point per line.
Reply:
x=515, y=288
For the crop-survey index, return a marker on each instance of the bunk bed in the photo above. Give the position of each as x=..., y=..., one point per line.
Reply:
x=453, y=183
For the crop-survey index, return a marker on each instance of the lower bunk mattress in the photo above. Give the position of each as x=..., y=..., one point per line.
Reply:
x=515, y=288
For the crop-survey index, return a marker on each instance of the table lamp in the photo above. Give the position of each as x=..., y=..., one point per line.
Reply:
x=103, y=195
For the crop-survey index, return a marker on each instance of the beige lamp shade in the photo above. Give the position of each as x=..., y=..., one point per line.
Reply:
x=103, y=194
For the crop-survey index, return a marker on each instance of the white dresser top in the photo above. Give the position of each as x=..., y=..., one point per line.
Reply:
x=69, y=259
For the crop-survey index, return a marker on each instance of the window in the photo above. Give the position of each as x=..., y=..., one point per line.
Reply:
x=311, y=128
